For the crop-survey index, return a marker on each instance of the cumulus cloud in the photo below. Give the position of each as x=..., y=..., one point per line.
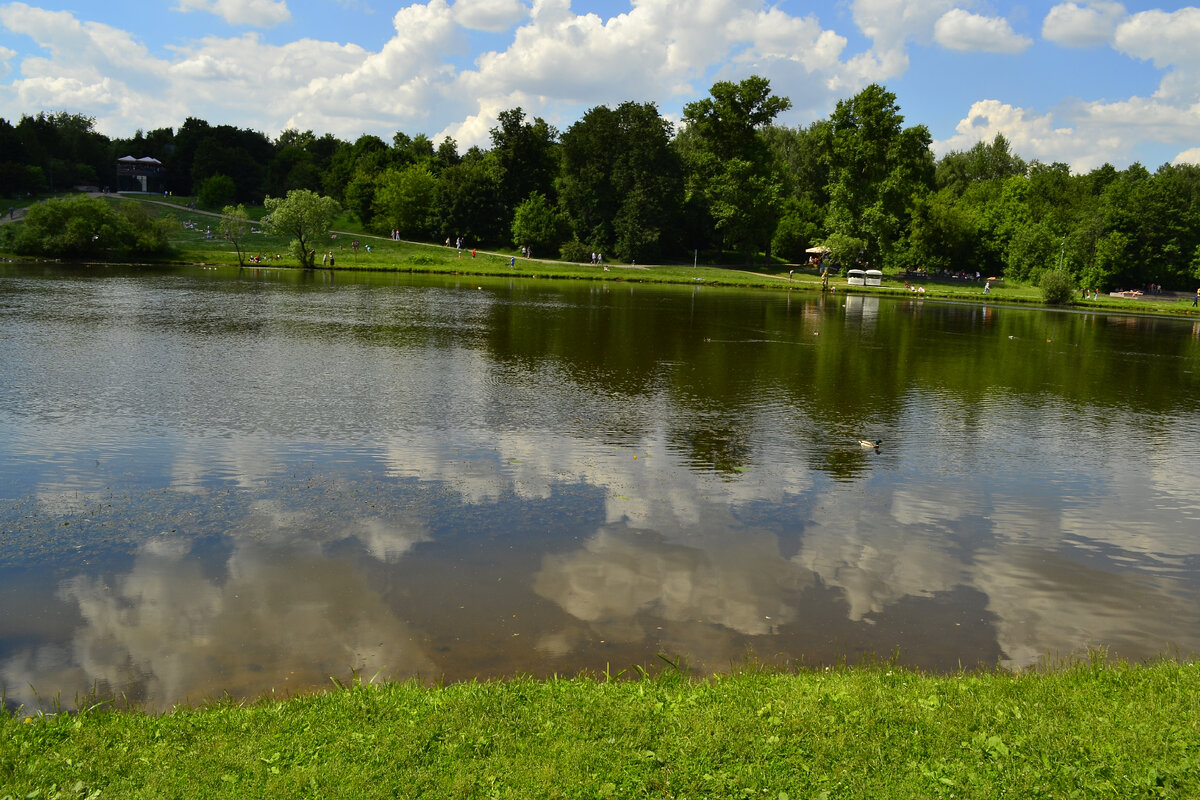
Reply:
x=257, y=13
x=1165, y=38
x=1035, y=135
x=557, y=63
x=1189, y=156
x=966, y=32
x=489, y=15
x=1087, y=25
x=890, y=23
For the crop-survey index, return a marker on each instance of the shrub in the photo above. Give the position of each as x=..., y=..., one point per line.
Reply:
x=575, y=251
x=78, y=226
x=1057, y=287
x=216, y=191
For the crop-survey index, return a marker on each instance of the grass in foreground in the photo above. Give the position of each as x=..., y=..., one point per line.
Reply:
x=1086, y=730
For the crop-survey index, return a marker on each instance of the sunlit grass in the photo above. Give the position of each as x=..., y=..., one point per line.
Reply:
x=1088, y=729
x=195, y=240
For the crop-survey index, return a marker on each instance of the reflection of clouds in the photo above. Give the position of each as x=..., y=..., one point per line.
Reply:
x=1047, y=605
x=284, y=615
x=645, y=484
x=876, y=558
x=738, y=582
x=247, y=461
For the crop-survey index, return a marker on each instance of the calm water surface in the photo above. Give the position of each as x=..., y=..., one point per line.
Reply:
x=241, y=482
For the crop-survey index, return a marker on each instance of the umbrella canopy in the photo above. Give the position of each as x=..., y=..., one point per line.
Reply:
x=817, y=250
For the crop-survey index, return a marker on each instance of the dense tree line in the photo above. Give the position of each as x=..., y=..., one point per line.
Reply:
x=730, y=182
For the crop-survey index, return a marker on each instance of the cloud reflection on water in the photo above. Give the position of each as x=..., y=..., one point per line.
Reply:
x=276, y=613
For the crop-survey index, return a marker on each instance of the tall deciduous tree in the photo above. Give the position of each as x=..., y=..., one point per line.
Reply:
x=469, y=201
x=621, y=183
x=538, y=224
x=405, y=200
x=876, y=166
x=526, y=154
x=731, y=168
x=305, y=216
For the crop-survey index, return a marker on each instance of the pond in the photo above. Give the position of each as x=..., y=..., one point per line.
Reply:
x=217, y=482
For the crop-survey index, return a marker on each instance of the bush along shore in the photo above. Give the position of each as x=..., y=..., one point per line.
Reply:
x=1090, y=728
x=194, y=238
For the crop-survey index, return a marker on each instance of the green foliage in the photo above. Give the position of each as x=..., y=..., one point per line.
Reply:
x=730, y=180
x=576, y=251
x=405, y=201
x=303, y=215
x=1057, y=287
x=216, y=191
x=538, y=224
x=234, y=227
x=845, y=250
x=621, y=183
x=1088, y=730
x=799, y=228
x=983, y=162
x=82, y=227
x=526, y=154
x=876, y=167
x=469, y=200
x=1032, y=249
x=731, y=167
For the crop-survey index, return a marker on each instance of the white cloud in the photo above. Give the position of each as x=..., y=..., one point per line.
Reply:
x=1166, y=39
x=1035, y=136
x=6, y=55
x=557, y=63
x=966, y=32
x=489, y=15
x=1189, y=156
x=1087, y=25
x=258, y=13
x=890, y=23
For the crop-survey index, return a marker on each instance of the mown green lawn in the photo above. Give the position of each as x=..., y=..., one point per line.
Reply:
x=1090, y=730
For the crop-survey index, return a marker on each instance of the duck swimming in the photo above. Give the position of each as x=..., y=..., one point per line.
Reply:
x=869, y=443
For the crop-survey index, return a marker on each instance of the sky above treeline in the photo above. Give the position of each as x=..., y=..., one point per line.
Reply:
x=1084, y=83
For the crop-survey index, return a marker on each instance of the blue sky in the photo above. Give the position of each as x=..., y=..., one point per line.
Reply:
x=1083, y=82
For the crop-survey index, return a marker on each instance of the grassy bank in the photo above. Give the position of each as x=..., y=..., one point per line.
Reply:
x=195, y=241
x=1085, y=730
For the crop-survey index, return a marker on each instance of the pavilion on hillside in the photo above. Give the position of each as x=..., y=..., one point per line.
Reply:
x=143, y=174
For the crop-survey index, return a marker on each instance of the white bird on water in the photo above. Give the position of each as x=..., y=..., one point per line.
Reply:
x=869, y=444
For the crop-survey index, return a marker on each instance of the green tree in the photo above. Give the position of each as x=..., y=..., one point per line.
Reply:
x=984, y=161
x=216, y=191
x=731, y=168
x=303, y=215
x=526, y=153
x=405, y=200
x=1057, y=287
x=621, y=183
x=538, y=224
x=876, y=167
x=79, y=226
x=798, y=229
x=234, y=227
x=469, y=200
x=943, y=233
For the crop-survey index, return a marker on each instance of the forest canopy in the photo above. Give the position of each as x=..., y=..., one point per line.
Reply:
x=729, y=182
